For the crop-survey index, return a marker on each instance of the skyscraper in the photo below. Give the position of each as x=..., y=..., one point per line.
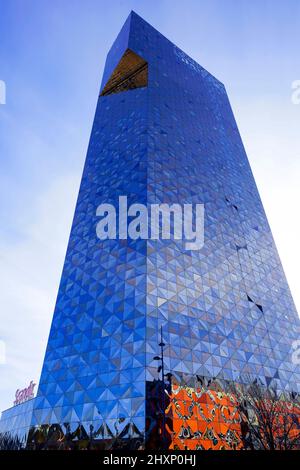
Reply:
x=163, y=132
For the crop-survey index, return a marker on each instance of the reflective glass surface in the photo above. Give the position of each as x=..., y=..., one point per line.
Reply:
x=166, y=134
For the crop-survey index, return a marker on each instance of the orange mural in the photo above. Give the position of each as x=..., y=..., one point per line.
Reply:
x=203, y=419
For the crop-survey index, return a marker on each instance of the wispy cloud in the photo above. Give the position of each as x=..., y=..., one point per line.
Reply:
x=30, y=270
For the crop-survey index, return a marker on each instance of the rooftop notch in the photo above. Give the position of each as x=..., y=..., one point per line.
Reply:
x=130, y=73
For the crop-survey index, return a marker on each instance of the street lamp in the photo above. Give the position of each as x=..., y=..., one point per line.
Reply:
x=161, y=369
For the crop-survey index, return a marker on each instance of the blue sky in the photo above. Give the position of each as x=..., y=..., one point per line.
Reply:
x=52, y=54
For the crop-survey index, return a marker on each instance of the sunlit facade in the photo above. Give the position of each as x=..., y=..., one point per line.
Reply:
x=163, y=132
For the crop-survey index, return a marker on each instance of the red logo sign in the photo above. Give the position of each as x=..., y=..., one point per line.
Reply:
x=25, y=394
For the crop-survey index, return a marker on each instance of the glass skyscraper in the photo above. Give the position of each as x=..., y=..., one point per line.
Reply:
x=163, y=132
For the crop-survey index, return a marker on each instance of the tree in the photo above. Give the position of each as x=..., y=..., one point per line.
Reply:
x=270, y=420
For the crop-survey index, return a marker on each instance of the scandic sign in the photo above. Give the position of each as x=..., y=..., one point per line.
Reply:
x=24, y=394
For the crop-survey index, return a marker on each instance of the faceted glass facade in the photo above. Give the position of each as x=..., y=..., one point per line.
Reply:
x=163, y=132
x=14, y=426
